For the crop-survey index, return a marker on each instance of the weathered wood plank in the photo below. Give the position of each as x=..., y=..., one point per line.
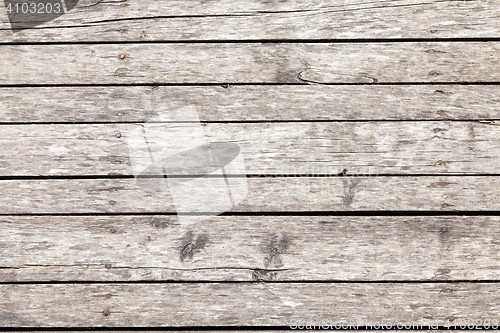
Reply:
x=148, y=20
x=264, y=194
x=250, y=63
x=256, y=248
x=276, y=304
x=251, y=103
x=268, y=148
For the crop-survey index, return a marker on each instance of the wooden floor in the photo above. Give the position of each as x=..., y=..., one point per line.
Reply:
x=370, y=132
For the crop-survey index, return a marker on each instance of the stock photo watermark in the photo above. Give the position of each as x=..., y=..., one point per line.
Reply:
x=176, y=156
x=363, y=324
x=27, y=14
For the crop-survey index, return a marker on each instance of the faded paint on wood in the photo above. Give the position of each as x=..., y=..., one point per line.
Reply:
x=250, y=103
x=264, y=195
x=250, y=63
x=255, y=248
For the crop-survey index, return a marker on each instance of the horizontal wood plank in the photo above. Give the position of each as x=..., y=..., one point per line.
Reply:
x=262, y=195
x=250, y=63
x=255, y=248
x=277, y=304
x=273, y=79
x=267, y=148
x=250, y=103
x=148, y=20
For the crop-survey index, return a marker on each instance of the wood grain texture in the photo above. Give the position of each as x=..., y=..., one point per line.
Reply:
x=385, y=89
x=243, y=304
x=148, y=20
x=255, y=248
x=250, y=63
x=250, y=103
x=268, y=148
x=264, y=194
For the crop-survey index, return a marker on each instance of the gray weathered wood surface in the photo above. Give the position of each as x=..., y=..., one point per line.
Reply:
x=219, y=304
x=264, y=195
x=148, y=20
x=250, y=248
x=343, y=88
x=250, y=103
x=250, y=63
x=268, y=148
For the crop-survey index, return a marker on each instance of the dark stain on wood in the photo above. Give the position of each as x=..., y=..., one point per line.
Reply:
x=274, y=247
x=192, y=244
x=349, y=191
